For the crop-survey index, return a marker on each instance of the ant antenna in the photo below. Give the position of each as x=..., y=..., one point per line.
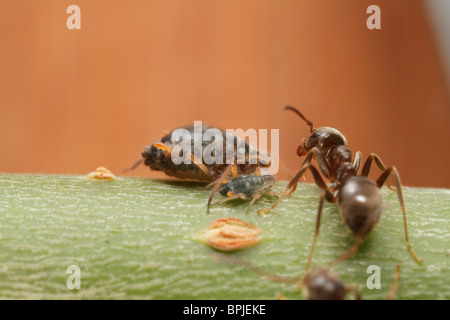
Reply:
x=309, y=123
x=134, y=166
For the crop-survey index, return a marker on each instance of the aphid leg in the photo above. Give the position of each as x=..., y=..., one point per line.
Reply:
x=394, y=286
x=231, y=197
x=134, y=166
x=218, y=182
x=234, y=173
x=255, y=197
x=398, y=185
x=380, y=164
x=357, y=161
x=347, y=255
x=199, y=164
x=259, y=192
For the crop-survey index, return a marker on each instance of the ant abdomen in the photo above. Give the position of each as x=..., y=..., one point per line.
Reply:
x=361, y=204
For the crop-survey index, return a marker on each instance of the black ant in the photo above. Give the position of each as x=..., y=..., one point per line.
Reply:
x=158, y=156
x=359, y=197
x=246, y=187
x=322, y=285
x=317, y=284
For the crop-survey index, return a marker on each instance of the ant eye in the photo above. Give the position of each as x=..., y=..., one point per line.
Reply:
x=314, y=134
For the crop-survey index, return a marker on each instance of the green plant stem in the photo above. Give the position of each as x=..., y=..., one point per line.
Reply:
x=135, y=238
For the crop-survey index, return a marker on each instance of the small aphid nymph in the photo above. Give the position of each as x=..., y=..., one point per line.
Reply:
x=246, y=187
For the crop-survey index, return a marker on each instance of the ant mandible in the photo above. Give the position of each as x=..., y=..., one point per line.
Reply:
x=359, y=197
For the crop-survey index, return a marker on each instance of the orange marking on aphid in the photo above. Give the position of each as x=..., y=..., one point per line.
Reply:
x=162, y=146
x=234, y=172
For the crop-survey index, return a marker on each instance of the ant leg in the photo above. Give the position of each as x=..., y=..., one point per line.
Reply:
x=398, y=185
x=349, y=253
x=394, y=286
x=357, y=161
x=316, y=234
x=355, y=289
x=285, y=168
x=235, y=260
x=293, y=185
x=321, y=161
x=380, y=164
x=218, y=182
x=289, y=189
x=326, y=194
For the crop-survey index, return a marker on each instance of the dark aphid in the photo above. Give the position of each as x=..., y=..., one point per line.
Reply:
x=359, y=198
x=246, y=187
x=158, y=157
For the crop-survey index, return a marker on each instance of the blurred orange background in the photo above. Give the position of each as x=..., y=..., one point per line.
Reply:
x=72, y=100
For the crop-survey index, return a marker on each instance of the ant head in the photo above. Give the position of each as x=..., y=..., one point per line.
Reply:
x=321, y=285
x=322, y=138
